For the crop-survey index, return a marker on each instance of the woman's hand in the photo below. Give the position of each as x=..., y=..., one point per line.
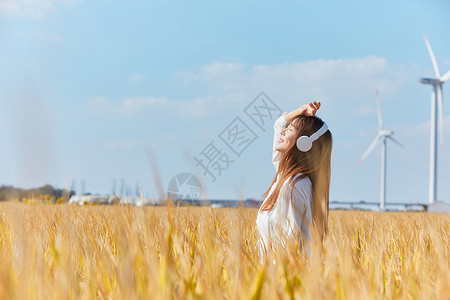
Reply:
x=309, y=109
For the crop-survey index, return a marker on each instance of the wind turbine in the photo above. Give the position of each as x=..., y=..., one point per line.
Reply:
x=436, y=98
x=382, y=135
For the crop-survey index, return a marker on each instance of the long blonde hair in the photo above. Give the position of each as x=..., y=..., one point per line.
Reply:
x=316, y=164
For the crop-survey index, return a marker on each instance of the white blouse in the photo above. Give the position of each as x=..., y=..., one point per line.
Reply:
x=289, y=217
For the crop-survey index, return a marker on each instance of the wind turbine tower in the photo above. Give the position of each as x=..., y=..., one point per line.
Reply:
x=436, y=107
x=382, y=135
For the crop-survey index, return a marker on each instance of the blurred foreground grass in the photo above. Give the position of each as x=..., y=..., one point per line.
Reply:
x=118, y=252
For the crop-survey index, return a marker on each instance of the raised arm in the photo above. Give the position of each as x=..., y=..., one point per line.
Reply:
x=309, y=109
x=279, y=125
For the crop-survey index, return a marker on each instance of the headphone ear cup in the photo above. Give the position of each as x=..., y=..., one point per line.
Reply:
x=304, y=143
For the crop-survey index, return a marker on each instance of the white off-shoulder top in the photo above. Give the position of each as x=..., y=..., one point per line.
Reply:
x=290, y=217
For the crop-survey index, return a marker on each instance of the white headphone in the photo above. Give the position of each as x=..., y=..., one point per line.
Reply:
x=304, y=143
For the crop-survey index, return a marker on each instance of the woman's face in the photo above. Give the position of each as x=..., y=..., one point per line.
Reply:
x=287, y=138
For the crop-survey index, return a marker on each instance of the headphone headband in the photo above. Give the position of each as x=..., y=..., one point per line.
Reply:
x=304, y=143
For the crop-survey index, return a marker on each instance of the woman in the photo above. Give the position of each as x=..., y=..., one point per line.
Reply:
x=299, y=194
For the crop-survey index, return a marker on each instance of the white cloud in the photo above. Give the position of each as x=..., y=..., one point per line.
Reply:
x=212, y=72
x=423, y=129
x=129, y=106
x=326, y=79
x=231, y=85
x=137, y=78
x=133, y=105
x=49, y=36
x=363, y=111
x=120, y=144
x=191, y=108
x=31, y=8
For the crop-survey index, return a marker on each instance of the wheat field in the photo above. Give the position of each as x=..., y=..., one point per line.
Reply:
x=119, y=252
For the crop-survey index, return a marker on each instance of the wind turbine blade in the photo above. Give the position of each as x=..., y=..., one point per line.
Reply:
x=445, y=77
x=433, y=59
x=395, y=141
x=374, y=143
x=441, y=115
x=380, y=119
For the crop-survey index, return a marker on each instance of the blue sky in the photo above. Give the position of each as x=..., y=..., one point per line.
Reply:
x=88, y=88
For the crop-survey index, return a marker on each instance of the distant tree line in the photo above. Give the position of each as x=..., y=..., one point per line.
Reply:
x=11, y=193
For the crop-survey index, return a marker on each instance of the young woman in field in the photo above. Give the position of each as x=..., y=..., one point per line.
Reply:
x=296, y=204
